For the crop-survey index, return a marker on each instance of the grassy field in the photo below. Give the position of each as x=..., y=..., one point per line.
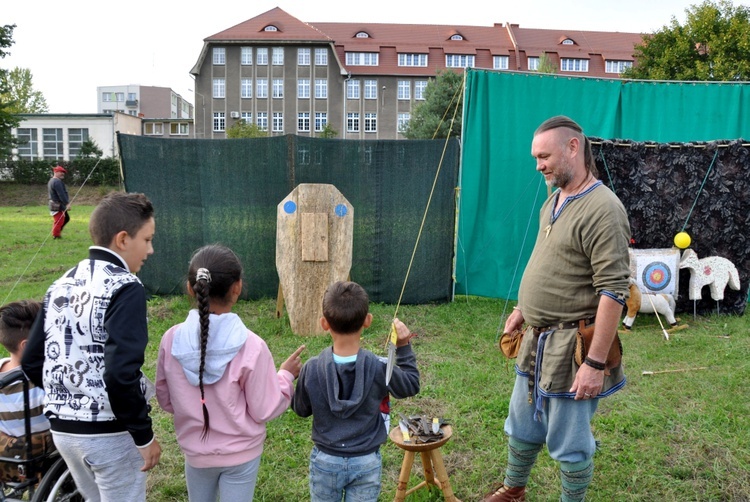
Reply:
x=674, y=436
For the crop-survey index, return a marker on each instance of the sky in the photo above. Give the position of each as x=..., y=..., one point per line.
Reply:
x=73, y=47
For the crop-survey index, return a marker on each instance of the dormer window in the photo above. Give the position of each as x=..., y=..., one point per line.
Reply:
x=457, y=37
x=568, y=41
x=362, y=34
x=270, y=27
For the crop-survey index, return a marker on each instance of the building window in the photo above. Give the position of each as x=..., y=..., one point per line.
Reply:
x=132, y=96
x=612, y=66
x=371, y=89
x=500, y=62
x=303, y=156
x=352, y=122
x=261, y=56
x=153, y=129
x=52, y=143
x=459, y=61
x=404, y=89
x=419, y=88
x=303, y=122
x=120, y=97
x=352, y=89
x=247, y=117
x=261, y=120
x=246, y=88
x=403, y=121
x=261, y=88
x=220, y=121
x=278, y=88
x=362, y=58
x=533, y=63
x=570, y=64
x=108, y=97
x=321, y=88
x=76, y=137
x=457, y=37
x=321, y=120
x=246, y=56
x=412, y=59
x=303, y=88
x=220, y=55
x=277, y=56
x=270, y=27
x=303, y=57
x=371, y=122
x=219, y=88
x=278, y=122
x=568, y=41
x=362, y=34
x=321, y=57
x=179, y=128
x=28, y=144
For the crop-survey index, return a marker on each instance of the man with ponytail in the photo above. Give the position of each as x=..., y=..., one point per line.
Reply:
x=219, y=381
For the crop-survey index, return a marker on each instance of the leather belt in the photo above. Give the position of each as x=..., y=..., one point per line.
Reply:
x=564, y=325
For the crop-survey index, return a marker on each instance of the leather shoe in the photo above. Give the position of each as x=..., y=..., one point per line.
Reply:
x=507, y=494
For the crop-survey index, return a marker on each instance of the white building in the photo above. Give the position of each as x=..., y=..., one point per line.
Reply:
x=143, y=101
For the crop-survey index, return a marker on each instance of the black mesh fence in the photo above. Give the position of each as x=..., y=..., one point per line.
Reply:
x=227, y=191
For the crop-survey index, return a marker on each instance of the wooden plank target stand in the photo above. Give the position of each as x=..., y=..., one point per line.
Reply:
x=314, y=235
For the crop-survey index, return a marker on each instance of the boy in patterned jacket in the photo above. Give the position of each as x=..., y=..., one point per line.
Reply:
x=86, y=349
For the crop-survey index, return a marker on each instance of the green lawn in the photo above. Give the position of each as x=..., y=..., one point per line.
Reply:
x=676, y=436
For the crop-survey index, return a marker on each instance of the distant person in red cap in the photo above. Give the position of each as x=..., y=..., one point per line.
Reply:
x=59, y=203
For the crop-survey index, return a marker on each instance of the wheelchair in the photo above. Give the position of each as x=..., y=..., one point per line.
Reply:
x=42, y=477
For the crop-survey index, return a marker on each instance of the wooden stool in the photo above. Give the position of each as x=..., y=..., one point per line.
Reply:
x=432, y=462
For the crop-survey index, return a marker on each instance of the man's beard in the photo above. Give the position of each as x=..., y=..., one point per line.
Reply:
x=563, y=175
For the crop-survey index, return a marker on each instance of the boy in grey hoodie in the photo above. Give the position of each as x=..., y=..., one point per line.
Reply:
x=343, y=388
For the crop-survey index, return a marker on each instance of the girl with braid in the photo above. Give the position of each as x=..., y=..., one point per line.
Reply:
x=219, y=381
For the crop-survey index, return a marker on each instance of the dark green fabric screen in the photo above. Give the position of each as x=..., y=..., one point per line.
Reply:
x=227, y=191
x=501, y=192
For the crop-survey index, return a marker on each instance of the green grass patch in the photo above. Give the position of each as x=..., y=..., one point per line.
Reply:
x=670, y=436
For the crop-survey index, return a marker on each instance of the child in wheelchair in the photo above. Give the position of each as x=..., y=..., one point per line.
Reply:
x=17, y=410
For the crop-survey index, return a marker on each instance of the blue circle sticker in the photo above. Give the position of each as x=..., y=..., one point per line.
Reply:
x=290, y=207
x=341, y=210
x=656, y=276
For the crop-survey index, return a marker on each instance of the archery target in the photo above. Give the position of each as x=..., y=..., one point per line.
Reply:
x=656, y=270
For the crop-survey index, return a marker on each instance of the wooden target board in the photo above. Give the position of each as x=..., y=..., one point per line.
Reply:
x=314, y=235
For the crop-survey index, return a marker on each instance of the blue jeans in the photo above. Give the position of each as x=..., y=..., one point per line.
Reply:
x=232, y=484
x=355, y=478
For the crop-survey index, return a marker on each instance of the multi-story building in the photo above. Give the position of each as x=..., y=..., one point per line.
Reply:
x=363, y=79
x=55, y=136
x=143, y=101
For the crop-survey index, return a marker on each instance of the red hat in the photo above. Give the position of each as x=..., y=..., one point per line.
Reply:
x=59, y=169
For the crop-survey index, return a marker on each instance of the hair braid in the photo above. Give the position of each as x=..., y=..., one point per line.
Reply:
x=201, y=295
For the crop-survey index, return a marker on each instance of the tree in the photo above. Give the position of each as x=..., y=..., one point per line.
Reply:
x=22, y=95
x=546, y=65
x=7, y=119
x=241, y=129
x=442, y=106
x=328, y=132
x=713, y=44
x=89, y=148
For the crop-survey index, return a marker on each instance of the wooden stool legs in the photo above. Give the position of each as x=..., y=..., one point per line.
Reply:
x=433, y=466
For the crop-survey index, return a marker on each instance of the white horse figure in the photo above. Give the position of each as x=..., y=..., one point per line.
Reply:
x=648, y=303
x=714, y=271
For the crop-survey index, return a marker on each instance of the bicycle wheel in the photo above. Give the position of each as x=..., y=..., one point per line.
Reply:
x=57, y=485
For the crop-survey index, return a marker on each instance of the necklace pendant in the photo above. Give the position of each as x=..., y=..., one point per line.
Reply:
x=546, y=230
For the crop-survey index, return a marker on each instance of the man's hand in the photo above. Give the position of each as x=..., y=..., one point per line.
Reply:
x=588, y=382
x=150, y=454
x=514, y=321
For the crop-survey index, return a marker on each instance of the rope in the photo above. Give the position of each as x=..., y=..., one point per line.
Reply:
x=606, y=168
x=47, y=237
x=429, y=199
x=705, y=178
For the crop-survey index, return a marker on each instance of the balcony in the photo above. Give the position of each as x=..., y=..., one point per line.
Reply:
x=131, y=103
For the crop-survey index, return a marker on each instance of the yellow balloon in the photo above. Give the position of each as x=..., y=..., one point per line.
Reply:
x=682, y=240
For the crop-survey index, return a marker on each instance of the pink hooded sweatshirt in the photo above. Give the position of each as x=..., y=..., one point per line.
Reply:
x=242, y=390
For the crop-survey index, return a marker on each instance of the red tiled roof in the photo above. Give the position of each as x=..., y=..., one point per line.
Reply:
x=289, y=28
x=611, y=45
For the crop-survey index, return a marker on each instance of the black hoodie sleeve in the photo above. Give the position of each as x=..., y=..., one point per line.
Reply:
x=124, y=353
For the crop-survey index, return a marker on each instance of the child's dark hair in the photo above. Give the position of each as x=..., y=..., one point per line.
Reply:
x=116, y=212
x=345, y=307
x=16, y=319
x=212, y=272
